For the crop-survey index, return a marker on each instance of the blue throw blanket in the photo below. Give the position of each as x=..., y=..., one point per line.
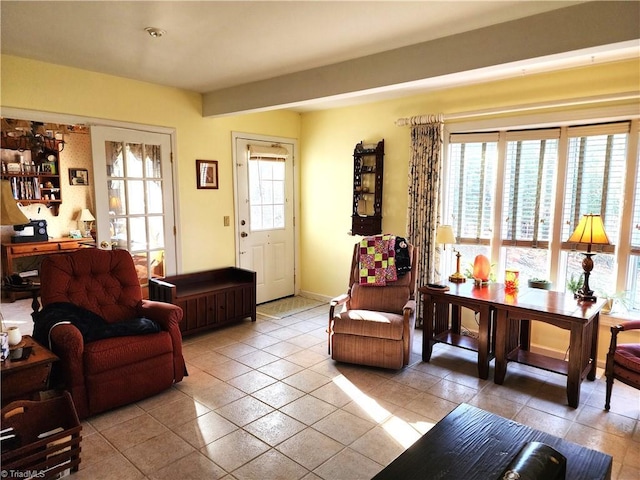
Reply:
x=92, y=326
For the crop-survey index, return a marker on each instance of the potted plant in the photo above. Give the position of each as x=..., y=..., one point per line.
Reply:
x=611, y=299
x=541, y=283
x=574, y=284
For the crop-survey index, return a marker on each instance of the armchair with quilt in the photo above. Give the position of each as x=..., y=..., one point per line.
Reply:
x=623, y=360
x=376, y=323
x=108, y=372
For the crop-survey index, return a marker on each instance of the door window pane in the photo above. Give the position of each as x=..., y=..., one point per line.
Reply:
x=156, y=232
x=135, y=197
x=154, y=196
x=266, y=193
x=134, y=160
x=153, y=163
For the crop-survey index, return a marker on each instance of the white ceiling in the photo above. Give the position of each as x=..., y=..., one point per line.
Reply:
x=213, y=45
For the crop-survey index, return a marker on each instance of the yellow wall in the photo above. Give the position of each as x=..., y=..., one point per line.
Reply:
x=326, y=139
x=206, y=243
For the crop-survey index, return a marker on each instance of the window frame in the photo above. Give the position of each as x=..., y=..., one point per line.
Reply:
x=562, y=121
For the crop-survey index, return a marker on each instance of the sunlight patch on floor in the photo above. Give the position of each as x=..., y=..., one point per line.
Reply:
x=400, y=430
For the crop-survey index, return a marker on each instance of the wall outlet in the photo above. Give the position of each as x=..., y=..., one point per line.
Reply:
x=226, y=220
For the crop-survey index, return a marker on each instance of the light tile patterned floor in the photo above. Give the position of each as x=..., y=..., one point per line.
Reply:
x=264, y=401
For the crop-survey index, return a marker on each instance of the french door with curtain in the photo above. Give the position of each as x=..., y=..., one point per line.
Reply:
x=134, y=197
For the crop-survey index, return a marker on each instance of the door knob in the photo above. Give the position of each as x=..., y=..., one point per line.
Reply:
x=244, y=234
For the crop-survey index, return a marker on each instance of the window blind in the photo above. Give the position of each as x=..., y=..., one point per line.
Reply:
x=595, y=176
x=635, y=226
x=472, y=171
x=267, y=186
x=529, y=173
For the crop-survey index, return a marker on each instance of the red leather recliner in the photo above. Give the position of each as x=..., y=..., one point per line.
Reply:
x=111, y=372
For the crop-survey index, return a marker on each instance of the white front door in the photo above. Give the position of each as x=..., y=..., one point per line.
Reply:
x=134, y=197
x=265, y=214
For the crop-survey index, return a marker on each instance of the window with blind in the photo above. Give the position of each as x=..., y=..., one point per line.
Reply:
x=530, y=170
x=472, y=172
x=267, y=187
x=633, y=278
x=596, y=163
x=518, y=195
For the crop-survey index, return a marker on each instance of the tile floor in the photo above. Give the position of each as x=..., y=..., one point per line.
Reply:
x=264, y=401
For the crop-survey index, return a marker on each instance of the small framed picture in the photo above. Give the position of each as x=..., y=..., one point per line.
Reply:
x=78, y=176
x=207, y=173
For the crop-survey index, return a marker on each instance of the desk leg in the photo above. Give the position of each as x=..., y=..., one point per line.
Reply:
x=502, y=328
x=576, y=360
x=525, y=334
x=428, y=306
x=595, y=329
x=484, y=341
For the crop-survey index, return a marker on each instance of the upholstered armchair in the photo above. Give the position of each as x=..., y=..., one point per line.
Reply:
x=114, y=371
x=373, y=325
x=623, y=360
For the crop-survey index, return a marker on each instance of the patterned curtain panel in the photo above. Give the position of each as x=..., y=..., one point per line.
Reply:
x=425, y=172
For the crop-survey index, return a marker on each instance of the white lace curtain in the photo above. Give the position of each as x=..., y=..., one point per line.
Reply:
x=425, y=180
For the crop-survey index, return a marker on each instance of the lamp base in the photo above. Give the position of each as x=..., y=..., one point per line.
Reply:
x=585, y=296
x=457, y=278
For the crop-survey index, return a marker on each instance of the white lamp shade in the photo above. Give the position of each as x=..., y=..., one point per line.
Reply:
x=444, y=235
x=86, y=216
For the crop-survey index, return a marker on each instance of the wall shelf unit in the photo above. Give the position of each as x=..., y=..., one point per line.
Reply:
x=34, y=174
x=368, y=171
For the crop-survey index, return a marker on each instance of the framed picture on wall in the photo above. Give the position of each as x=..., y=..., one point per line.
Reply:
x=78, y=176
x=207, y=173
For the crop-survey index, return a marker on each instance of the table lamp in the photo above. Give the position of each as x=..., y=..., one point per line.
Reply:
x=590, y=231
x=84, y=217
x=444, y=236
x=10, y=213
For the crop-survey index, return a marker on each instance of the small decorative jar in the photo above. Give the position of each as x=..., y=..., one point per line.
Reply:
x=511, y=280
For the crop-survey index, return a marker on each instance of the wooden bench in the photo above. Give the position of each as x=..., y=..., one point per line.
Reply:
x=209, y=299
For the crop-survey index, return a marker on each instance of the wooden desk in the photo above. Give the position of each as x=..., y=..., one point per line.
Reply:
x=509, y=340
x=21, y=379
x=582, y=319
x=442, y=324
x=473, y=444
x=13, y=251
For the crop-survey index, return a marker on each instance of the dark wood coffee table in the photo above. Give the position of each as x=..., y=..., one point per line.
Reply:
x=22, y=379
x=472, y=444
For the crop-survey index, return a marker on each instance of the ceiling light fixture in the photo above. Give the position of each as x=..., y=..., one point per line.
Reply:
x=155, y=32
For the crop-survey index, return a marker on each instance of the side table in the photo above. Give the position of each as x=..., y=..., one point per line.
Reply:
x=22, y=379
x=32, y=288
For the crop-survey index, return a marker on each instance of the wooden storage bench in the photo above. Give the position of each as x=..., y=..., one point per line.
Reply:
x=209, y=299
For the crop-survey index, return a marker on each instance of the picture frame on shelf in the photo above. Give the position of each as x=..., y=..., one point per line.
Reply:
x=48, y=168
x=78, y=176
x=207, y=174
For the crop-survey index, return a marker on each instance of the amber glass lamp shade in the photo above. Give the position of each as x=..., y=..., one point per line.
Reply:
x=590, y=231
